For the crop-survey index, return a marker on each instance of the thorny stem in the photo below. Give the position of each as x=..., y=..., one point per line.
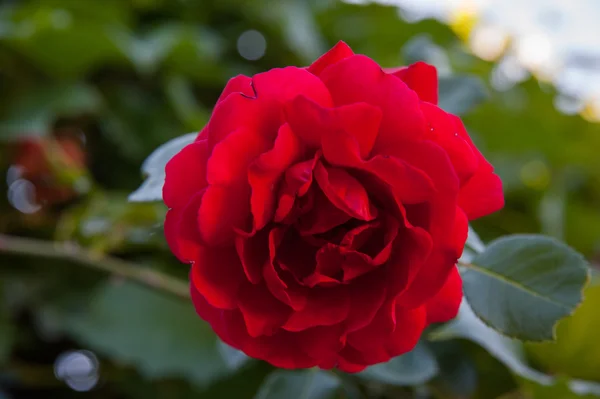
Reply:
x=80, y=256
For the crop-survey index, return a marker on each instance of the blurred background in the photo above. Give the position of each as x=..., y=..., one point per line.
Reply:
x=89, y=88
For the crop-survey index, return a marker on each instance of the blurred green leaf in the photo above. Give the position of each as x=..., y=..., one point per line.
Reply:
x=7, y=335
x=522, y=285
x=137, y=120
x=36, y=110
x=147, y=52
x=563, y=389
x=181, y=96
x=306, y=384
x=575, y=352
x=460, y=94
x=234, y=358
x=299, y=29
x=508, y=351
x=78, y=41
x=161, y=335
x=107, y=223
x=423, y=48
x=154, y=168
x=413, y=368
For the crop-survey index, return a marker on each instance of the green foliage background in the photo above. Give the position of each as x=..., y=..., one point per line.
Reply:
x=128, y=75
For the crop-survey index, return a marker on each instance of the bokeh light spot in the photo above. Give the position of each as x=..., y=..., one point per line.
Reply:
x=252, y=45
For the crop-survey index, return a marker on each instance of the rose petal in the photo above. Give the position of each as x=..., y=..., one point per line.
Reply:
x=224, y=209
x=444, y=305
x=180, y=185
x=181, y=230
x=366, y=298
x=253, y=252
x=296, y=255
x=218, y=275
x=411, y=252
x=239, y=84
x=444, y=133
x=360, y=79
x=349, y=367
x=376, y=343
x=286, y=292
x=345, y=192
x=263, y=313
x=265, y=172
x=431, y=277
x=422, y=78
x=337, y=53
x=481, y=195
x=232, y=156
x=262, y=112
x=323, y=216
x=310, y=121
x=407, y=184
x=325, y=307
x=297, y=182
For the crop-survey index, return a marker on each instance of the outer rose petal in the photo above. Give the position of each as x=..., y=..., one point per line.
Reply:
x=231, y=157
x=325, y=307
x=181, y=229
x=360, y=79
x=337, y=53
x=180, y=185
x=217, y=274
x=444, y=305
x=394, y=331
x=263, y=313
x=224, y=209
x=431, y=278
x=261, y=113
x=239, y=84
x=311, y=122
x=482, y=194
x=422, y=78
x=443, y=132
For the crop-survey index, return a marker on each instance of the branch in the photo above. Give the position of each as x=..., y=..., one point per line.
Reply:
x=76, y=254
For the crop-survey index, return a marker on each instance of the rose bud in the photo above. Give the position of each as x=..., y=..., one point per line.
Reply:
x=49, y=164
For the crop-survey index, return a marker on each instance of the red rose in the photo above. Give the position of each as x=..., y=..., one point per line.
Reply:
x=323, y=210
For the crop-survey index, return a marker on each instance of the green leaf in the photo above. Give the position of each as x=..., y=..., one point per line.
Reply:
x=522, y=285
x=413, y=368
x=154, y=168
x=306, y=384
x=162, y=336
x=473, y=246
x=234, y=358
x=460, y=94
